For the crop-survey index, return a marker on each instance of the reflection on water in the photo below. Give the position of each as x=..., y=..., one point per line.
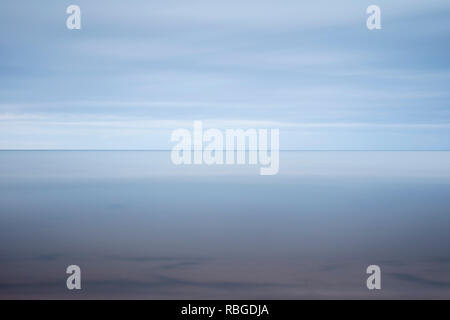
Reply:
x=140, y=227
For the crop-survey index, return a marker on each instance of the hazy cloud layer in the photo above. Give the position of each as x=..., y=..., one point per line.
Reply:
x=139, y=69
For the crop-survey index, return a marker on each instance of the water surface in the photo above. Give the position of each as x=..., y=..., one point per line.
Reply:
x=141, y=227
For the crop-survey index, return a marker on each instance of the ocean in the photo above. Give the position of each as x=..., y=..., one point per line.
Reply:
x=141, y=227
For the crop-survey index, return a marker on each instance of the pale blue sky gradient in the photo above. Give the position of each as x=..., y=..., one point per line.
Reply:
x=139, y=69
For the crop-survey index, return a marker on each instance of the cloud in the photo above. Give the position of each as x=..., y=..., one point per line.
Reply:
x=100, y=121
x=421, y=281
x=49, y=257
x=165, y=263
x=165, y=282
x=141, y=67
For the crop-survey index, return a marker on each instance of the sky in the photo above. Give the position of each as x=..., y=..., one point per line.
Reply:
x=137, y=70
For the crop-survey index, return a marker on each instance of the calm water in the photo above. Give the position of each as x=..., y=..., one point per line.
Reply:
x=140, y=227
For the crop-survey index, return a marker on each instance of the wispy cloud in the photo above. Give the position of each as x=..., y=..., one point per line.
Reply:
x=421, y=281
x=145, y=66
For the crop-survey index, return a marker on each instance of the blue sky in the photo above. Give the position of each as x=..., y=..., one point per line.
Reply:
x=139, y=69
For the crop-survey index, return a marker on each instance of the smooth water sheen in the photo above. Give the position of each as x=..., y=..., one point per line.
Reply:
x=141, y=227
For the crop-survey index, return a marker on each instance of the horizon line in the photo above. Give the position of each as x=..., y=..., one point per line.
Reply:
x=283, y=150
